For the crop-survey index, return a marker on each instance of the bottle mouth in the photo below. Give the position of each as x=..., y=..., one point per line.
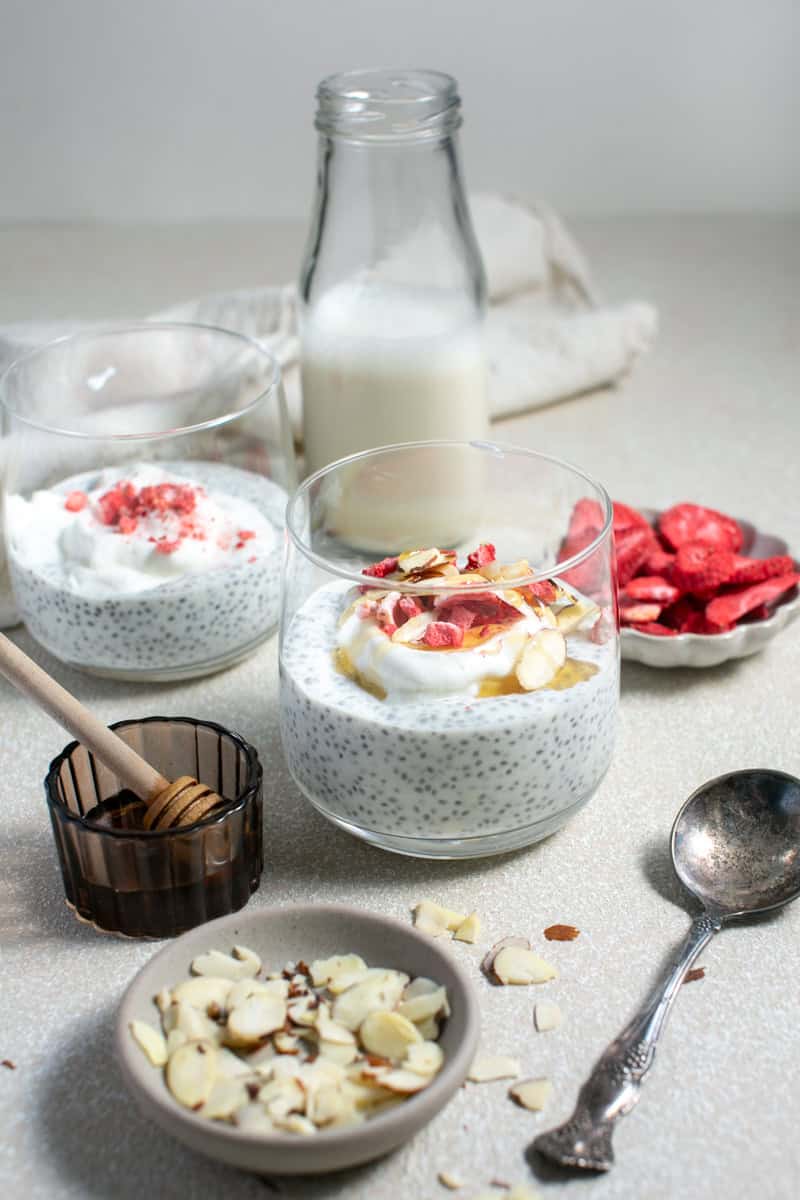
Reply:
x=388, y=104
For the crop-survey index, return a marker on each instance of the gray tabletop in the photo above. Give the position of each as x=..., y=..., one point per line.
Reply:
x=712, y=415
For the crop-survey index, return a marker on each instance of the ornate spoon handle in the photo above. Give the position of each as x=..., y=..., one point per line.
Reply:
x=613, y=1087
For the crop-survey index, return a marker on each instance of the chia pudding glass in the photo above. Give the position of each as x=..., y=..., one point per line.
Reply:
x=146, y=473
x=449, y=652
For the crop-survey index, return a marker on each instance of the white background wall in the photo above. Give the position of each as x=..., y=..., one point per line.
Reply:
x=125, y=110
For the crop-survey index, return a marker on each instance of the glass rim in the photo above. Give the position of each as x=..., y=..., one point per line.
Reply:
x=255, y=773
x=116, y=329
x=356, y=106
x=441, y=584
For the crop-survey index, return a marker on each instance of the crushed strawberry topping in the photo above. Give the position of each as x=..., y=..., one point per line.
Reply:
x=380, y=570
x=443, y=633
x=481, y=557
x=76, y=501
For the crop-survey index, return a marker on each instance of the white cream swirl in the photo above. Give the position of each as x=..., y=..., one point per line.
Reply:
x=102, y=560
x=403, y=671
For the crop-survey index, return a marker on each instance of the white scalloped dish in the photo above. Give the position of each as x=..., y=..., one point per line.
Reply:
x=708, y=650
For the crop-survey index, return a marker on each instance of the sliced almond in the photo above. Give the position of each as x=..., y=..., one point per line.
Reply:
x=487, y=966
x=327, y=1104
x=303, y=1011
x=295, y=1123
x=388, y=1034
x=493, y=1066
x=191, y=1072
x=332, y=1031
x=381, y=989
x=420, y=986
x=521, y=1191
x=547, y=1017
x=163, y=1000
x=433, y=919
x=254, y=987
x=428, y=1028
x=515, y=965
x=329, y=972
x=532, y=1094
x=404, y=1082
x=335, y=1052
x=262, y=1061
x=449, y=1180
x=225, y=966
x=254, y=1019
x=231, y=1065
x=543, y=657
x=175, y=1038
x=424, y=1058
x=203, y=992
x=286, y=1043
x=246, y=955
x=282, y=1096
x=420, y=1008
x=469, y=930
x=573, y=616
x=226, y=1095
x=151, y=1041
x=420, y=560
x=194, y=1024
x=413, y=629
x=252, y=1118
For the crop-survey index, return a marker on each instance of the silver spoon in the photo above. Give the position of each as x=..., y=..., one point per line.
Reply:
x=736, y=848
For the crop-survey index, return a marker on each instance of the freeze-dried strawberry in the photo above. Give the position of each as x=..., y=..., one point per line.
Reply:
x=652, y=587
x=698, y=622
x=462, y=616
x=406, y=608
x=76, y=501
x=543, y=589
x=693, y=523
x=732, y=606
x=702, y=568
x=638, y=614
x=658, y=562
x=632, y=548
x=628, y=518
x=654, y=628
x=586, y=517
x=380, y=570
x=756, y=570
x=486, y=607
x=479, y=558
x=679, y=614
x=758, y=614
x=443, y=633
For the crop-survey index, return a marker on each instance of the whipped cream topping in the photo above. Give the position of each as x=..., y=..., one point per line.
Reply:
x=132, y=529
x=405, y=671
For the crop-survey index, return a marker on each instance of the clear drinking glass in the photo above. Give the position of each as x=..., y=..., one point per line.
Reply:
x=122, y=879
x=146, y=472
x=392, y=290
x=494, y=728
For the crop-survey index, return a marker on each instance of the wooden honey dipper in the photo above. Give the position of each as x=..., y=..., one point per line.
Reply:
x=169, y=805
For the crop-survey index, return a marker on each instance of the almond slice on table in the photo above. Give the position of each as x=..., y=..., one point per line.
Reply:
x=448, y=1180
x=516, y=965
x=532, y=1094
x=547, y=1017
x=469, y=930
x=542, y=658
x=434, y=919
x=493, y=1066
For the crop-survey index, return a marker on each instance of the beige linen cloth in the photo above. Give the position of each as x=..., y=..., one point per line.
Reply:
x=548, y=336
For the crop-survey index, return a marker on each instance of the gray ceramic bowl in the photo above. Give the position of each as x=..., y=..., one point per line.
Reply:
x=278, y=936
x=708, y=650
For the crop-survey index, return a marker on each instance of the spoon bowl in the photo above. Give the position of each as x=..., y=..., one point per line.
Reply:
x=736, y=842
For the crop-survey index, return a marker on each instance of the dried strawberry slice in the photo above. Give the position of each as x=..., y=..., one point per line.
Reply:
x=543, y=589
x=380, y=570
x=692, y=523
x=462, y=616
x=658, y=562
x=406, y=608
x=698, y=622
x=486, y=607
x=628, y=518
x=756, y=570
x=678, y=614
x=731, y=607
x=587, y=517
x=702, y=568
x=632, y=548
x=443, y=633
x=652, y=587
x=638, y=614
x=655, y=628
x=485, y=553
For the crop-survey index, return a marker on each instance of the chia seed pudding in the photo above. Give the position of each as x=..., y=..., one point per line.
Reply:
x=149, y=571
x=444, y=753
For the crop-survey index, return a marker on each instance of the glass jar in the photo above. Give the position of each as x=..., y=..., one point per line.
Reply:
x=146, y=473
x=463, y=701
x=392, y=291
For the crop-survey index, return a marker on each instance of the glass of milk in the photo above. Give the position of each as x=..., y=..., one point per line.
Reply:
x=392, y=290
